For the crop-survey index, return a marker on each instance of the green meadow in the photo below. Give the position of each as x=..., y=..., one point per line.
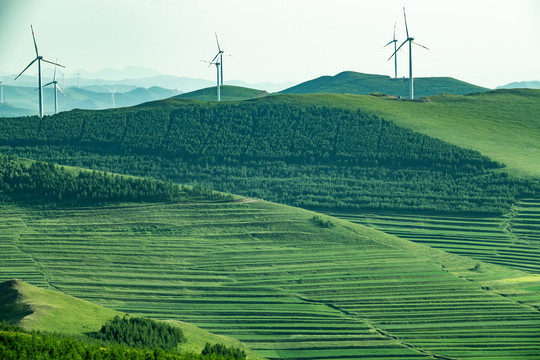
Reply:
x=274, y=278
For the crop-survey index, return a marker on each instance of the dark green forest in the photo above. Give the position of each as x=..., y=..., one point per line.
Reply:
x=41, y=182
x=140, y=332
x=298, y=155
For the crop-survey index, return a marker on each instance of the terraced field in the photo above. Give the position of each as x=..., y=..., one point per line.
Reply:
x=272, y=277
x=512, y=240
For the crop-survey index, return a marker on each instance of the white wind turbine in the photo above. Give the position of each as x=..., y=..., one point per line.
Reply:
x=410, y=40
x=395, y=57
x=39, y=59
x=56, y=87
x=113, y=92
x=218, y=61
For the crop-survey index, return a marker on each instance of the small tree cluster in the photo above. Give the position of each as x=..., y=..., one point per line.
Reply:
x=141, y=333
x=220, y=351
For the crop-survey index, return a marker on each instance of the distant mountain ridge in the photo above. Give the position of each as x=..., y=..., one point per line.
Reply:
x=521, y=85
x=351, y=82
x=23, y=101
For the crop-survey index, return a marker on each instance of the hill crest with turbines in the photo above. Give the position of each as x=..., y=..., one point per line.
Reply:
x=350, y=82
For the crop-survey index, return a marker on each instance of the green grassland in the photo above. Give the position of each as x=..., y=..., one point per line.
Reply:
x=349, y=82
x=511, y=240
x=275, y=278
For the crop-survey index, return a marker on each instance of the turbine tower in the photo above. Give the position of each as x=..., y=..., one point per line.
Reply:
x=112, y=96
x=411, y=41
x=217, y=69
x=395, y=46
x=56, y=87
x=39, y=59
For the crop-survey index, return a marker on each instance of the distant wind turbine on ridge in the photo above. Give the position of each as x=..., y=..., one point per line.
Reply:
x=56, y=87
x=113, y=92
x=395, y=50
x=39, y=59
x=410, y=40
x=218, y=61
x=1, y=91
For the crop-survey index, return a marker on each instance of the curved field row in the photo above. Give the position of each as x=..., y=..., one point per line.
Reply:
x=272, y=277
x=512, y=240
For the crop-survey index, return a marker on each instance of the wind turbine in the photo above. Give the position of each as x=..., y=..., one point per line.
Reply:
x=1, y=91
x=56, y=87
x=220, y=54
x=410, y=40
x=112, y=96
x=39, y=59
x=395, y=57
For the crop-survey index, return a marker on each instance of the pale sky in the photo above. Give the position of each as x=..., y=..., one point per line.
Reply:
x=485, y=42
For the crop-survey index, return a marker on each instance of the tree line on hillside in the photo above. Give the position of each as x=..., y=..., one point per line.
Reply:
x=299, y=155
x=45, y=182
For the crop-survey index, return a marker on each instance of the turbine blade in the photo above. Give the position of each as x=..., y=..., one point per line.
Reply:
x=217, y=41
x=394, y=31
x=58, y=87
x=52, y=82
x=54, y=76
x=208, y=62
x=215, y=57
x=50, y=62
x=33, y=61
x=388, y=44
x=34, y=37
x=425, y=47
x=398, y=49
x=405, y=17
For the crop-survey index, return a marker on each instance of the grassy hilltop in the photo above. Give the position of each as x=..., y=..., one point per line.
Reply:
x=227, y=93
x=349, y=82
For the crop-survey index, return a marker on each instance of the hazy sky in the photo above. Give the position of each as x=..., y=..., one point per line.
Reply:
x=487, y=43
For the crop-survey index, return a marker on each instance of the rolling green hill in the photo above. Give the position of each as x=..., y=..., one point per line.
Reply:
x=287, y=282
x=295, y=154
x=228, y=93
x=41, y=309
x=350, y=82
x=502, y=124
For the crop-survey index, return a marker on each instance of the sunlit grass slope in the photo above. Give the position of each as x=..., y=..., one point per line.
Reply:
x=501, y=124
x=512, y=240
x=40, y=309
x=289, y=283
